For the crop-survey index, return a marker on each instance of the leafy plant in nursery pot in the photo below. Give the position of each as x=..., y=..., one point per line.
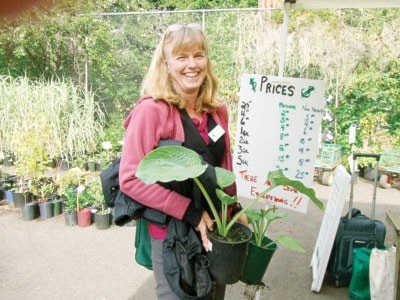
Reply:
x=19, y=191
x=43, y=187
x=69, y=192
x=261, y=247
x=77, y=210
x=83, y=202
x=8, y=183
x=67, y=186
x=30, y=209
x=102, y=216
x=177, y=163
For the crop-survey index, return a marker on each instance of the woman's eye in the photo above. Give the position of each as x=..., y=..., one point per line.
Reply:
x=181, y=57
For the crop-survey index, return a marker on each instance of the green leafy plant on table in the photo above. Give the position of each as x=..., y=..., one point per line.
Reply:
x=177, y=163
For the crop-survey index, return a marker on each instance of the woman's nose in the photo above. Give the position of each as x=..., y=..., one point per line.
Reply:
x=192, y=61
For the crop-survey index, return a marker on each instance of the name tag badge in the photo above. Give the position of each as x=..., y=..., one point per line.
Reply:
x=216, y=133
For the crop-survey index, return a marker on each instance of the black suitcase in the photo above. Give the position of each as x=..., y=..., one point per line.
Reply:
x=355, y=230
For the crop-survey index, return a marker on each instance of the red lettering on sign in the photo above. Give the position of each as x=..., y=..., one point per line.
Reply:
x=247, y=177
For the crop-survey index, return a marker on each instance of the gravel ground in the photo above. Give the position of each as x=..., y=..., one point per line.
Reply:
x=45, y=259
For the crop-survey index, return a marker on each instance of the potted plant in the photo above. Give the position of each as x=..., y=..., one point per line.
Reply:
x=69, y=194
x=83, y=210
x=20, y=191
x=102, y=215
x=67, y=185
x=8, y=185
x=30, y=208
x=43, y=187
x=261, y=247
x=179, y=163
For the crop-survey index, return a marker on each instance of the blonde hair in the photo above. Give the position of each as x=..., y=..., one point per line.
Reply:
x=157, y=82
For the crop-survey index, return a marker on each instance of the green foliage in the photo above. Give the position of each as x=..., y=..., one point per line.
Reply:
x=261, y=219
x=372, y=101
x=43, y=187
x=114, y=133
x=94, y=188
x=354, y=50
x=76, y=198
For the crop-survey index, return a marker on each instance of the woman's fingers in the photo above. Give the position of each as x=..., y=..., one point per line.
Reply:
x=205, y=224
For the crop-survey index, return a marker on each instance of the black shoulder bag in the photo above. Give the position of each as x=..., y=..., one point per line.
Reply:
x=126, y=208
x=185, y=267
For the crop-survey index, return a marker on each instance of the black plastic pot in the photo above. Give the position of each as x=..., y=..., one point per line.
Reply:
x=30, y=211
x=46, y=210
x=102, y=220
x=257, y=262
x=64, y=165
x=8, y=196
x=227, y=258
x=57, y=207
x=71, y=218
x=18, y=199
x=92, y=166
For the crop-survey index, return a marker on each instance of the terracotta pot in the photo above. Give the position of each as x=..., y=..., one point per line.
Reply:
x=84, y=217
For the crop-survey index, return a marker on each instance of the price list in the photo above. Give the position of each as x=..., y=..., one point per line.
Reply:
x=244, y=135
x=277, y=128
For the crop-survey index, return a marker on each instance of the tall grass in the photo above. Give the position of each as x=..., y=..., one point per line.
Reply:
x=56, y=115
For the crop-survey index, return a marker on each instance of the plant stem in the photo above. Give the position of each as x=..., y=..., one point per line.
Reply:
x=210, y=204
x=250, y=204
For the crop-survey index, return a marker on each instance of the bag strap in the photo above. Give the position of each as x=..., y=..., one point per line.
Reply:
x=199, y=138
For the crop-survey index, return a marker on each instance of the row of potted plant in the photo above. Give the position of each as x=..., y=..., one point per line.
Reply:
x=71, y=193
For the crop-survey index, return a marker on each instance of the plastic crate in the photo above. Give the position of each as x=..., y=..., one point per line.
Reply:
x=329, y=156
x=390, y=161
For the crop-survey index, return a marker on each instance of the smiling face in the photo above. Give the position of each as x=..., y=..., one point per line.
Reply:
x=187, y=69
x=186, y=58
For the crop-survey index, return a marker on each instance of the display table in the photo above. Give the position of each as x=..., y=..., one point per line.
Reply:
x=393, y=219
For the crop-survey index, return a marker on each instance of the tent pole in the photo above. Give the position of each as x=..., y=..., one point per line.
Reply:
x=282, y=52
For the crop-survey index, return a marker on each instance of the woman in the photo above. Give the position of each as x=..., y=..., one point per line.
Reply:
x=180, y=85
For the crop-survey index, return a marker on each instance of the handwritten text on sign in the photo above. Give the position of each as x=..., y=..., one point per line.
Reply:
x=277, y=128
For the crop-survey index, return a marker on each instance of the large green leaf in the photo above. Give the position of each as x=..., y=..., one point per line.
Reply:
x=290, y=243
x=170, y=163
x=224, y=177
x=225, y=198
x=278, y=178
x=254, y=215
x=271, y=215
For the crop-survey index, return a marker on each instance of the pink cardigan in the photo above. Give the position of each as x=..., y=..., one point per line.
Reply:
x=149, y=122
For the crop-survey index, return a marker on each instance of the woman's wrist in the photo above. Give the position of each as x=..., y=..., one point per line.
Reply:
x=193, y=215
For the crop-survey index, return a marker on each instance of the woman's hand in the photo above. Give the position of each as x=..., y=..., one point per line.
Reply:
x=243, y=219
x=206, y=223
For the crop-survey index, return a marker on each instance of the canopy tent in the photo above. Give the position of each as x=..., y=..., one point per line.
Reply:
x=312, y=4
x=319, y=4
